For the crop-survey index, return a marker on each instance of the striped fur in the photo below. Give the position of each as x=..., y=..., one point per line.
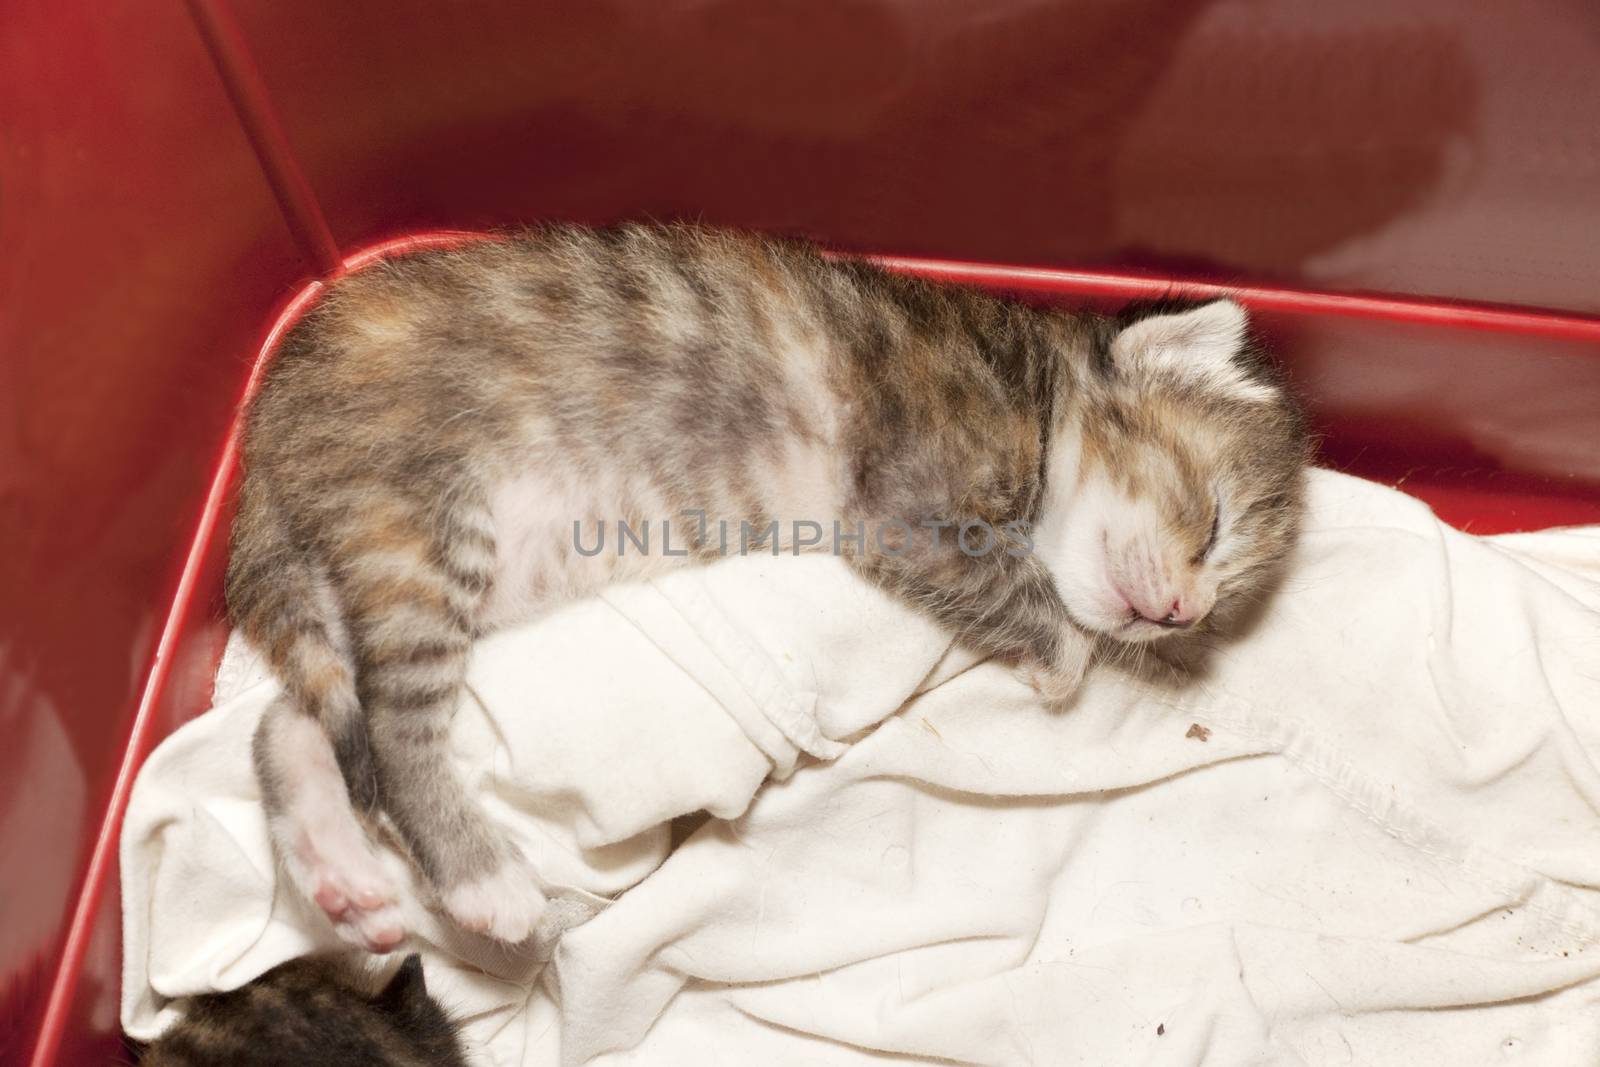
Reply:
x=432, y=430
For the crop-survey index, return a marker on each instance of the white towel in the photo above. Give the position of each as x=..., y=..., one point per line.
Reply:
x=1369, y=834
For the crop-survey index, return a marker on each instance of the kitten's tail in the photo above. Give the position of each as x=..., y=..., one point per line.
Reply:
x=279, y=597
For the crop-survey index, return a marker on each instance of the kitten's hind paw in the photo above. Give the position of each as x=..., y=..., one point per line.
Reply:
x=350, y=886
x=504, y=904
x=322, y=847
x=371, y=924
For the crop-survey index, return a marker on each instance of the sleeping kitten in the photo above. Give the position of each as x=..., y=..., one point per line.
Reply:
x=314, y=1011
x=442, y=439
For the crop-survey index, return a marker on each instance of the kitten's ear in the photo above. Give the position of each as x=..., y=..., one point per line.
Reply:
x=406, y=989
x=1196, y=346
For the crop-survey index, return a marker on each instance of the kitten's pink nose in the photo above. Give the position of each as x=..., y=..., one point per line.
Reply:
x=1178, y=615
x=1174, y=615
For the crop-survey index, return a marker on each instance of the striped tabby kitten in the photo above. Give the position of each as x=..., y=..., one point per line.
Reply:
x=442, y=441
x=315, y=1010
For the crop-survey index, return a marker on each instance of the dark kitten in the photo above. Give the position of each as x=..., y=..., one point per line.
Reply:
x=319, y=1011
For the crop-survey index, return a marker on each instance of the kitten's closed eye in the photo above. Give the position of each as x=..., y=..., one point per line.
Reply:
x=1211, y=538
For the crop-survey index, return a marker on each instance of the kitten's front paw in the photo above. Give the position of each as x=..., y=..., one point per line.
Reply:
x=1055, y=689
x=504, y=904
x=1058, y=682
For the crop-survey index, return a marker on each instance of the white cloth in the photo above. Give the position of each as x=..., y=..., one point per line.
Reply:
x=1369, y=834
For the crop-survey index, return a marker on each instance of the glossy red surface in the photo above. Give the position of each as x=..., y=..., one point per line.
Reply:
x=170, y=179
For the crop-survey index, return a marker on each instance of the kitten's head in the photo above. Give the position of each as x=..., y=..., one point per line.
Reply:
x=1186, y=485
x=319, y=1010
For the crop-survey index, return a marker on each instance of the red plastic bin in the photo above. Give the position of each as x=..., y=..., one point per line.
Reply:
x=1407, y=195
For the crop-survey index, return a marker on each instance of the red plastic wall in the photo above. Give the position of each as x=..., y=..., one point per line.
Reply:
x=1437, y=149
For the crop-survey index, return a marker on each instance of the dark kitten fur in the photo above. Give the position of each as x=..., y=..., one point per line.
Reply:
x=434, y=428
x=314, y=1011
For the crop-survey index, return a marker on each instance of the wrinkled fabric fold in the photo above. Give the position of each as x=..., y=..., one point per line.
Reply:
x=1364, y=832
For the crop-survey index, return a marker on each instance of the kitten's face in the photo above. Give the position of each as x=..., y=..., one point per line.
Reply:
x=1185, y=488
